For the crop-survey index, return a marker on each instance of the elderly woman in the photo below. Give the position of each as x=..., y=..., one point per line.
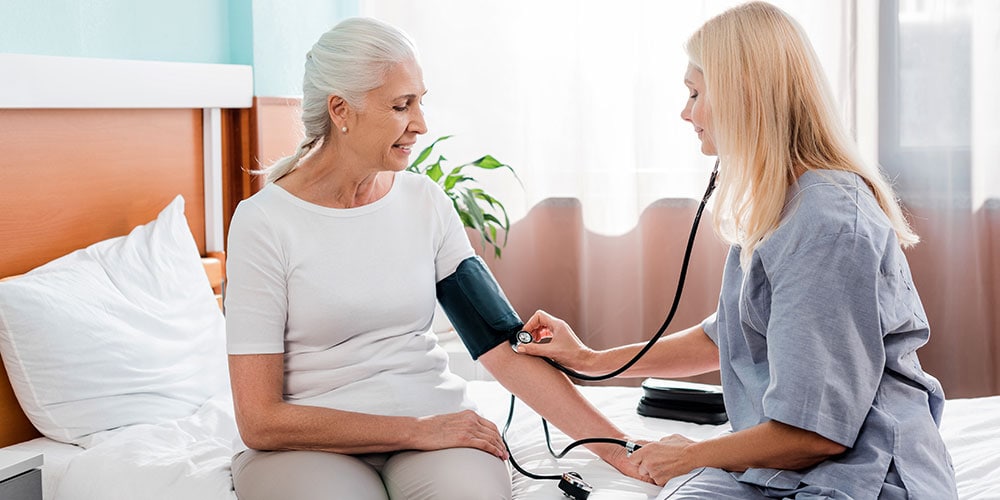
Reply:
x=339, y=386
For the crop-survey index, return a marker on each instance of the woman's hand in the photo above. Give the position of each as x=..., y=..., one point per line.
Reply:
x=465, y=429
x=662, y=460
x=616, y=456
x=565, y=347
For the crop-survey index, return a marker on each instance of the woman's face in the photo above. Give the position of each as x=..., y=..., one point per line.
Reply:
x=698, y=111
x=387, y=126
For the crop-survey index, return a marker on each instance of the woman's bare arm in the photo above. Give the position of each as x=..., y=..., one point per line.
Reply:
x=772, y=445
x=267, y=422
x=682, y=354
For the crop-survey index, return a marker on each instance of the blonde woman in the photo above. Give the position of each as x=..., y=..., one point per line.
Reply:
x=818, y=319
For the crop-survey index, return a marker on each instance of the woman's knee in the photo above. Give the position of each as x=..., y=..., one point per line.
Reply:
x=451, y=474
x=295, y=475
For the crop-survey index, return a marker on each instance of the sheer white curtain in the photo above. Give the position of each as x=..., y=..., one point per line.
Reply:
x=939, y=99
x=985, y=84
x=939, y=137
x=581, y=97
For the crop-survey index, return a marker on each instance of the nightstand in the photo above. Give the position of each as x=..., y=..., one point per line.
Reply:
x=459, y=361
x=20, y=475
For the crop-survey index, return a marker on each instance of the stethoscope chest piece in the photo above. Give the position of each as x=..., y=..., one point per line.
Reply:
x=543, y=336
x=573, y=486
x=524, y=337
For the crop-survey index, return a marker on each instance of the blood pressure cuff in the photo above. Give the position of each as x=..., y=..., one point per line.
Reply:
x=477, y=308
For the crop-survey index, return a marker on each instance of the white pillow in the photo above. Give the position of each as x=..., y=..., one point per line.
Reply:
x=125, y=331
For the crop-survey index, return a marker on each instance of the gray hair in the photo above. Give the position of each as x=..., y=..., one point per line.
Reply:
x=348, y=61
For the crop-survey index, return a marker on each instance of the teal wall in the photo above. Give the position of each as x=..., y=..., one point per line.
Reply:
x=240, y=28
x=282, y=35
x=271, y=35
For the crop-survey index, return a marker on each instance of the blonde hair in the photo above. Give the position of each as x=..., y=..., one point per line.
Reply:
x=774, y=118
x=348, y=61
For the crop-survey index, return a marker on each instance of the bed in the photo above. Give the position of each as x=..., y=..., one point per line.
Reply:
x=190, y=458
x=83, y=168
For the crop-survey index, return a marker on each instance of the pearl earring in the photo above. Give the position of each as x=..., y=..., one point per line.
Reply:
x=343, y=129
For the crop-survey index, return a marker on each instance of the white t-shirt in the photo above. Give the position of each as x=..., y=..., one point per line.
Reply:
x=348, y=296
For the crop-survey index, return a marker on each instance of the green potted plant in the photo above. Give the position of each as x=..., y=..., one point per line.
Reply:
x=478, y=209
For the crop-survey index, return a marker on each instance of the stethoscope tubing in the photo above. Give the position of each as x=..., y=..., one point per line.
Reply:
x=629, y=446
x=673, y=307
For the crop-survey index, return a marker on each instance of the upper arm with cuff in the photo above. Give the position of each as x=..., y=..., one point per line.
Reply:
x=477, y=308
x=466, y=289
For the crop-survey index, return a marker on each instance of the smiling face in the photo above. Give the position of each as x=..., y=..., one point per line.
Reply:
x=698, y=111
x=383, y=132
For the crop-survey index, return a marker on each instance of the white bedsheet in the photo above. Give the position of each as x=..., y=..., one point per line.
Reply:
x=56, y=457
x=971, y=429
x=190, y=458
x=527, y=442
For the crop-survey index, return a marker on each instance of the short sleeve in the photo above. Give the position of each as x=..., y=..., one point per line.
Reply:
x=824, y=341
x=256, y=289
x=710, y=326
x=454, y=246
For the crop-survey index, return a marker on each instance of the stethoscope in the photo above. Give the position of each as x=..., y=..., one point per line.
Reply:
x=571, y=483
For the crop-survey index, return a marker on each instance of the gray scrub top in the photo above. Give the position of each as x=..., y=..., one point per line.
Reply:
x=821, y=333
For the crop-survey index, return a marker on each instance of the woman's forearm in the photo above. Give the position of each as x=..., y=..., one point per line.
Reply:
x=284, y=426
x=548, y=392
x=771, y=445
x=267, y=422
x=553, y=396
x=682, y=354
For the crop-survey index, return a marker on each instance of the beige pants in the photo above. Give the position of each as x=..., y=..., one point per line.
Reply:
x=450, y=474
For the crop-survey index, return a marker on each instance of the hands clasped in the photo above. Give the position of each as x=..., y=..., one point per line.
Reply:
x=662, y=460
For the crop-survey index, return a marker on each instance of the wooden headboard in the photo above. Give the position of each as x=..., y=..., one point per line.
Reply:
x=90, y=148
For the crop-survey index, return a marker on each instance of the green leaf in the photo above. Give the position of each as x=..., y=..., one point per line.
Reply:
x=477, y=209
x=457, y=171
x=414, y=167
x=434, y=170
x=488, y=162
x=452, y=180
x=492, y=218
x=483, y=195
x=466, y=219
x=475, y=214
x=469, y=201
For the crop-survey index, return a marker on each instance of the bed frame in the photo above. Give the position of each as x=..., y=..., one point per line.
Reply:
x=92, y=148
